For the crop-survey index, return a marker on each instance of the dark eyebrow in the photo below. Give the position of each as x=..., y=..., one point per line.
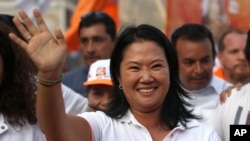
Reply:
x=135, y=62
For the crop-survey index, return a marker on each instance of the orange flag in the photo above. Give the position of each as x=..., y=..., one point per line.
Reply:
x=83, y=7
x=182, y=11
x=238, y=13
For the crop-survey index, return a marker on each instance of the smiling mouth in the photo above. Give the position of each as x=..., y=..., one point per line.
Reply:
x=144, y=90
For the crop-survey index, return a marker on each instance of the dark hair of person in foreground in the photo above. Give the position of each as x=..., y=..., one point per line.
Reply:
x=18, y=87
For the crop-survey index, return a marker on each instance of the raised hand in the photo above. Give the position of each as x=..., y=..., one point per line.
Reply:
x=47, y=52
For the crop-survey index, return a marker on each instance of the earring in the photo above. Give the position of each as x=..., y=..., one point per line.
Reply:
x=120, y=87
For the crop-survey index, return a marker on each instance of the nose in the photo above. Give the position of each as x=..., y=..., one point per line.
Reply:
x=91, y=47
x=146, y=76
x=242, y=55
x=199, y=68
x=104, y=101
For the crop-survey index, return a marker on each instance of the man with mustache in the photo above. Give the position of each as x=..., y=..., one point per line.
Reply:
x=195, y=49
x=232, y=58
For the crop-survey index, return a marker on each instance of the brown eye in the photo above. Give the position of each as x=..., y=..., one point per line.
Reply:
x=157, y=66
x=188, y=63
x=98, y=39
x=134, y=68
x=84, y=40
x=97, y=93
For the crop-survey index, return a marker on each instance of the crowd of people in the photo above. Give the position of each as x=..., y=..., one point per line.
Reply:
x=135, y=84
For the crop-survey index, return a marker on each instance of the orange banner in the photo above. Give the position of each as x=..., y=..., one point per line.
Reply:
x=238, y=13
x=217, y=15
x=82, y=7
x=182, y=11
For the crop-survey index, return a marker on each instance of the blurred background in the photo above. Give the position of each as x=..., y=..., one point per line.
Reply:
x=217, y=15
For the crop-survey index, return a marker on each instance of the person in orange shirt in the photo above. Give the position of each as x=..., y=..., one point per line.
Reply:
x=234, y=67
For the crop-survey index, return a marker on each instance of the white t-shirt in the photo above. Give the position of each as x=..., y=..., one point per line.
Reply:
x=24, y=133
x=128, y=128
x=234, y=111
x=73, y=101
x=206, y=100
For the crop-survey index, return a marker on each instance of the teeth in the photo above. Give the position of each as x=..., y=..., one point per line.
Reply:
x=146, y=90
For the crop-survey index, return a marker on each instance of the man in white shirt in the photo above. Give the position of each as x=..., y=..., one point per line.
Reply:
x=236, y=109
x=196, y=54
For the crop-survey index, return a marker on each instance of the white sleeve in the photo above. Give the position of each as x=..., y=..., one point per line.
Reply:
x=215, y=120
x=97, y=121
x=73, y=101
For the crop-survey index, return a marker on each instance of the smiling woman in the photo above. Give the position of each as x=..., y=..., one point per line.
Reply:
x=147, y=100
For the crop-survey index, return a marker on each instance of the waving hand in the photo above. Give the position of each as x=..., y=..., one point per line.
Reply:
x=46, y=51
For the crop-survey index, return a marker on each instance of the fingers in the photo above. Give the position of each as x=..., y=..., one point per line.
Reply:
x=223, y=97
x=28, y=24
x=27, y=28
x=59, y=36
x=238, y=86
x=227, y=92
x=39, y=20
x=22, y=29
x=18, y=41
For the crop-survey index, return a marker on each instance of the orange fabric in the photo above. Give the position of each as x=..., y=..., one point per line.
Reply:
x=47, y=138
x=238, y=13
x=83, y=7
x=182, y=11
x=219, y=73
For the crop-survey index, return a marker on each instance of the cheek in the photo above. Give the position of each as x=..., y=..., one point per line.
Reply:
x=93, y=102
x=83, y=50
x=227, y=59
x=129, y=79
x=209, y=68
x=184, y=72
x=105, y=50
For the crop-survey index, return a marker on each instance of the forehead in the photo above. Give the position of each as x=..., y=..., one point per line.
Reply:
x=235, y=40
x=144, y=50
x=101, y=87
x=193, y=49
x=97, y=29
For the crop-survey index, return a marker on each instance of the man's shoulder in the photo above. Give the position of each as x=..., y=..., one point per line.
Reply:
x=219, y=84
x=75, y=72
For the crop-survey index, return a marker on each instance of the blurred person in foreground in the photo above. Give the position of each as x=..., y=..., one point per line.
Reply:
x=18, y=119
x=147, y=101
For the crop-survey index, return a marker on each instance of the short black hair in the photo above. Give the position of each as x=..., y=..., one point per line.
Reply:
x=193, y=32
x=96, y=17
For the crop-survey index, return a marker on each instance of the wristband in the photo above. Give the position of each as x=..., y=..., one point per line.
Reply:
x=48, y=83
